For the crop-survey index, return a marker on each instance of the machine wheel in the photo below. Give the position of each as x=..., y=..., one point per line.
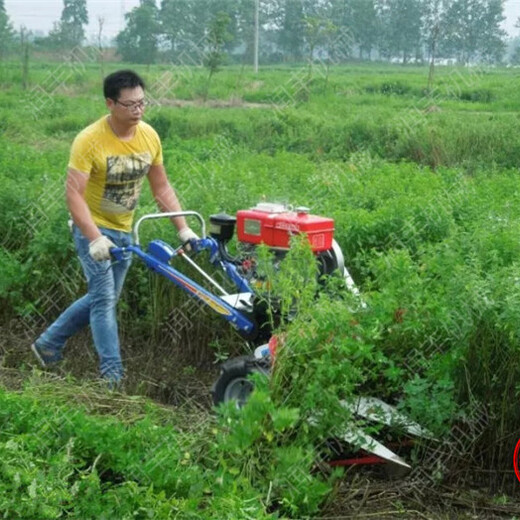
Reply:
x=331, y=260
x=233, y=383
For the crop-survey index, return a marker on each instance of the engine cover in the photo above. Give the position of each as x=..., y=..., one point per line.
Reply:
x=274, y=224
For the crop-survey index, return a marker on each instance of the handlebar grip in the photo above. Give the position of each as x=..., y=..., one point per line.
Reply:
x=117, y=252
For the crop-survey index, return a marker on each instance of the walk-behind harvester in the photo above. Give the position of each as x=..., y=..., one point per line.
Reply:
x=272, y=225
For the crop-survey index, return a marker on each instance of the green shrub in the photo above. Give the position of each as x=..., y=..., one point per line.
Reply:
x=389, y=88
x=481, y=95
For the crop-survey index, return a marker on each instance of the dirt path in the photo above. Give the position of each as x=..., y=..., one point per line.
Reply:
x=154, y=372
x=360, y=495
x=367, y=498
x=211, y=103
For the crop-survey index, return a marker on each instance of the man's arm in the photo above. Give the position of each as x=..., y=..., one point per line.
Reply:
x=165, y=195
x=75, y=193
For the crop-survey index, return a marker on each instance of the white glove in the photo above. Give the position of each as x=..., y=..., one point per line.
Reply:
x=186, y=234
x=99, y=248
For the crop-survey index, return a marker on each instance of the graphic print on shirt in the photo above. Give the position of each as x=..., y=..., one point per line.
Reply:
x=124, y=179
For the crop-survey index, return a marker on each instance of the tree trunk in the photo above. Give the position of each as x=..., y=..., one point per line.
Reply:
x=25, y=68
x=25, y=60
x=433, y=49
x=101, y=22
x=311, y=56
x=206, y=90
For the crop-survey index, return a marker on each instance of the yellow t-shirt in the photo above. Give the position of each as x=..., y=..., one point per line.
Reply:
x=116, y=170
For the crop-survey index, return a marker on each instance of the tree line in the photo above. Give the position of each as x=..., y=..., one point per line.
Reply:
x=406, y=31
x=339, y=30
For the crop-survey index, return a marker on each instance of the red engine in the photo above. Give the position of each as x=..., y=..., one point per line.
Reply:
x=274, y=224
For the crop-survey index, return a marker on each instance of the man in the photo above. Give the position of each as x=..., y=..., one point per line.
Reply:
x=108, y=162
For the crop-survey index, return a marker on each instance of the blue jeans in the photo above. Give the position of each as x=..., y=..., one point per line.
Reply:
x=97, y=307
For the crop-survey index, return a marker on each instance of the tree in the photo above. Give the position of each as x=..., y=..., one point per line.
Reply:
x=184, y=25
x=384, y=45
x=291, y=28
x=73, y=17
x=218, y=36
x=245, y=24
x=24, y=41
x=138, y=41
x=433, y=31
x=340, y=12
x=177, y=25
x=52, y=41
x=492, y=42
x=317, y=31
x=403, y=28
x=515, y=56
x=473, y=30
x=6, y=31
x=340, y=42
x=68, y=32
x=101, y=23
x=364, y=26
x=70, y=28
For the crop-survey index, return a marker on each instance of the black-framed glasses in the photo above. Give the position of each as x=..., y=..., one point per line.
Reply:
x=133, y=105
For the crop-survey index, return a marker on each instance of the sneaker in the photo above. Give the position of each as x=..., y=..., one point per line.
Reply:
x=44, y=356
x=114, y=382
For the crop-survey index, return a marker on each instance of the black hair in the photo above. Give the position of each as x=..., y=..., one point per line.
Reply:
x=121, y=79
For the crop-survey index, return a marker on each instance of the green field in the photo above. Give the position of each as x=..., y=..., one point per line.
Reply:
x=423, y=187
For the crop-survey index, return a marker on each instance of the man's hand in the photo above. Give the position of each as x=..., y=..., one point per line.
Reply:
x=99, y=248
x=186, y=234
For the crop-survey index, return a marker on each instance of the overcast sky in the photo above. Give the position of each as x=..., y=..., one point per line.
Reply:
x=40, y=14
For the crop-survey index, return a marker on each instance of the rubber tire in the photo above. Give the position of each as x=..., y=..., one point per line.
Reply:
x=233, y=379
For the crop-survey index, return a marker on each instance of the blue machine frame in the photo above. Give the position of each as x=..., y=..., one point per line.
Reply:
x=158, y=258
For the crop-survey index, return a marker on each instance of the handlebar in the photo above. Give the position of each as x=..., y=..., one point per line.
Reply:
x=168, y=215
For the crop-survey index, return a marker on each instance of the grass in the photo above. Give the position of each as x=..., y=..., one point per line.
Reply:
x=423, y=190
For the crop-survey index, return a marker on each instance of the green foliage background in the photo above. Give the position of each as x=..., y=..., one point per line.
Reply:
x=424, y=192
